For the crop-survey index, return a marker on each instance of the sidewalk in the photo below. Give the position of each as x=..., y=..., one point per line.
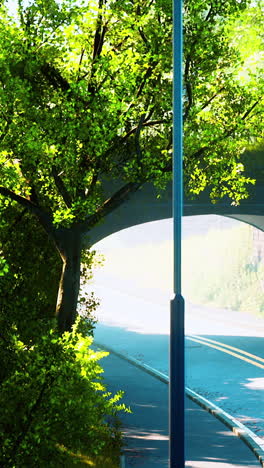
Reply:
x=209, y=444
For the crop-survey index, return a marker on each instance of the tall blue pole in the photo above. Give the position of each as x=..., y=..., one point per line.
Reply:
x=177, y=384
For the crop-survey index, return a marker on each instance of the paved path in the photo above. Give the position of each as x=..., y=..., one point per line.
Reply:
x=209, y=444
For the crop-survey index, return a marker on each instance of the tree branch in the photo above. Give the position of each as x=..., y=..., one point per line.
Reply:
x=209, y=13
x=142, y=84
x=21, y=200
x=104, y=80
x=93, y=182
x=99, y=43
x=16, y=221
x=120, y=140
x=56, y=80
x=2, y=136
x=190, y=100
x=146, y=76
x=97, y=35
x=31, y=414
x=54, y=77
x=111, y=204
x=211, y=99
x=188, y=86
x=225, y=134
x=151, y=112
x=150, y=3
x=142, y=34
x=44, y=219
x=80, y=63
x=246, y=114
x=115, y=49
x=99, y=40
x=20, y=12
x=61, y=187
x=137, y=142
x=150, y=123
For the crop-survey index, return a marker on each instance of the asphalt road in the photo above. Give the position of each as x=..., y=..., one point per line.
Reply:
x=224, y=349
x=224, y=370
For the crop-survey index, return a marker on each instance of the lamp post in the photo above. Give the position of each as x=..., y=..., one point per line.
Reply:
x=177, y=386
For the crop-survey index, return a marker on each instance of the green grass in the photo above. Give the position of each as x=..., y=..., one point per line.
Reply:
x=219, y=269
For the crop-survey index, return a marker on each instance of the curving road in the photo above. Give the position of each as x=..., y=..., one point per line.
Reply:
x=224, y=349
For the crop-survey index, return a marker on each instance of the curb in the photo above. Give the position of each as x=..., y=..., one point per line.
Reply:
x=255, y=443
x=122, y=461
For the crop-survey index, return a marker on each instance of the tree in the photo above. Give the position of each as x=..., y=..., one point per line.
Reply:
x=62, y=414
x=29, y=277
x=223, y=110
x=86, y=96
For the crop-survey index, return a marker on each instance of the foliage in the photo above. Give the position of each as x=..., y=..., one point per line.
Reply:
x=222, y=111
x=62, y=405
x=249, y=40
x=32, y=357
x=230, y=276
x=67, y=118
x=85, y=96
x=87, y=93
x=28, y=289
x=61, y=408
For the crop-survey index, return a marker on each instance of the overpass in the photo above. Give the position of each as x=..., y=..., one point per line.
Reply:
x=144, y=206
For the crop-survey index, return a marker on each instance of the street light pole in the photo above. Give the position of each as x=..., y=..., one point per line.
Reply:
x=177, y=386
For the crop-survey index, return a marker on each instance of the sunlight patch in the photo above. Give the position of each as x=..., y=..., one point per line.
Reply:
x=255, y=384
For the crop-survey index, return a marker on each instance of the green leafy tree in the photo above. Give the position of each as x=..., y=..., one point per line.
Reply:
x=85, y=96
x=55, y=374
x=30, y=276
x=28, y=288
x=223, y=99
x=62, y=412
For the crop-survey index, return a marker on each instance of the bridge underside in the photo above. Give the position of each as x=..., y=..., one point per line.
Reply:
x=144, y=207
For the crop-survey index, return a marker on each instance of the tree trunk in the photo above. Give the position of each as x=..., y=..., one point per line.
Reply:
x=69, y=247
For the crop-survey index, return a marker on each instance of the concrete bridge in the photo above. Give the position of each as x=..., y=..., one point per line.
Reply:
x=144, y=206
